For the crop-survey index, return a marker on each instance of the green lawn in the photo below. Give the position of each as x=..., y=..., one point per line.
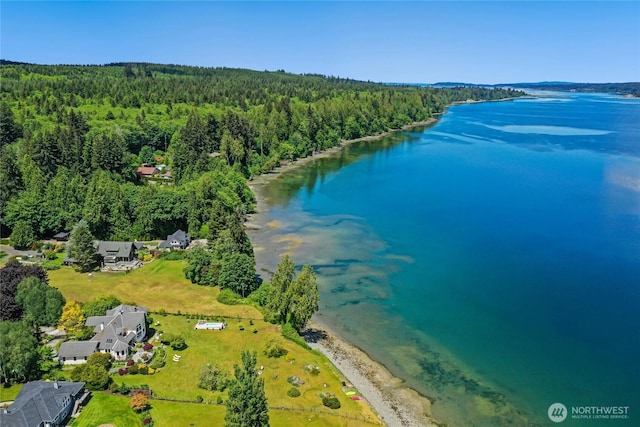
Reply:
x=179, y=379
x=105, y=408
x=9, y=393
x=158, y=284
x=161, y=285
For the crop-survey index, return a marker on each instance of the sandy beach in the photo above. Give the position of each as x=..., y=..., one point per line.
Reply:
x=395, y=403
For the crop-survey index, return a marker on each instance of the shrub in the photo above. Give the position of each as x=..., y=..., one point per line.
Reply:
x=158, y=359
x=229, y=297
x=178, y=343
x=147, y=347
x=139, y=402
x=219, y=400
x=134, y=370
x=293, y=392
x=147, y=421
x=143, y=369
x=123, y=371
x=145, y=356
x=213, y=378
x=199, y=399
x=274, y=348
x=331, y=402
x=124, y=389
x=130, y=362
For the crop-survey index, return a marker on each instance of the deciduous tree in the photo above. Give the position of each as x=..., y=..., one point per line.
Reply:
x=41, y=303
x=18, y=353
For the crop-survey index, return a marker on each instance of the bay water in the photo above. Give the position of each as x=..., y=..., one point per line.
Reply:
x=492, y=261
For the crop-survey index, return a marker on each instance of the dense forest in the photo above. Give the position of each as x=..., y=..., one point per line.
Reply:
x=72, y=138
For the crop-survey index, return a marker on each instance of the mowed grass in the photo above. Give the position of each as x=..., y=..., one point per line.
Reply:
x=9, y=393
x=157, y=285
x=178, y=380
x=105, y=408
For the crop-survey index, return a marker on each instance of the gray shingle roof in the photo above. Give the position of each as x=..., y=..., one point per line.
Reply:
x=179, y=236
x=71, y=349
x=38, y=401
x=118, y=249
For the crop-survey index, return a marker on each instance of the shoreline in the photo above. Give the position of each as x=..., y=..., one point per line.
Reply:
x=396, y=403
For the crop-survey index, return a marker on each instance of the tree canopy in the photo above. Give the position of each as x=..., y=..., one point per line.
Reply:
x=73, y=136
x=247, y=403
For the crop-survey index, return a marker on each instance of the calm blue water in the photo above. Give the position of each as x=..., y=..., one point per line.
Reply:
x=492, y=260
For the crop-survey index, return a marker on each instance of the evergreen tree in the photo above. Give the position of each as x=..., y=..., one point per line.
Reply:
x=81, y=248
x=9, y=129
x=247, y=404
x=22, y=236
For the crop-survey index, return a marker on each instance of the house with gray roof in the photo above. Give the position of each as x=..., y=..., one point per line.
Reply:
x=44, y=404
x=115, y=333
x=177, y=240
x=113, y=252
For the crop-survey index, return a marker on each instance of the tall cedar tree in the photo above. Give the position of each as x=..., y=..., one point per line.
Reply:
x=81, y=248
x=247, y=404
x=10, y=277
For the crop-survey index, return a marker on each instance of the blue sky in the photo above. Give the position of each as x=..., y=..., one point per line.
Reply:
x=423, y=41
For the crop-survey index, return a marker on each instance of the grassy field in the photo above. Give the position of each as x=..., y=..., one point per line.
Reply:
x=104, y=408
x=158, y=284
x=161, y=285
x=178, y=380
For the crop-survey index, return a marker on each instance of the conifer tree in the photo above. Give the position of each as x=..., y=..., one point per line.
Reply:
x=81, y=248
x=247, y=404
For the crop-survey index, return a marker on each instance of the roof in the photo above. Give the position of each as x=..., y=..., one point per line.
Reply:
x=62, y=235
x=138, y=245
x=113, y=332
x=118, y=249
x=179, y=236
x=70, y=349
x=147, y=170
x=38, y=401
x=126, y=308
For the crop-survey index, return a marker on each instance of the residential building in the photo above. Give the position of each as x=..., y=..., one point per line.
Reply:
x=115, y=333
x=44, y=404
x=177, y=240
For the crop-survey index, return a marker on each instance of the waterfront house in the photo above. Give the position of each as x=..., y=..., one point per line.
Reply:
x=44, y=404
x=115, y=333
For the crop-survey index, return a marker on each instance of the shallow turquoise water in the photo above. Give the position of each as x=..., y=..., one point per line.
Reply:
x=492, y=261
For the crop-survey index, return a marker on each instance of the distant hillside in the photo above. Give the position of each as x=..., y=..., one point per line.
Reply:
x=631, y=88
